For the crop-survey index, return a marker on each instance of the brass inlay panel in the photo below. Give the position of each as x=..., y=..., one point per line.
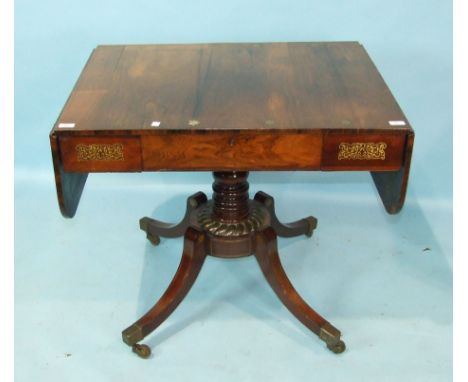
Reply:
x=362, y=151
x=100, y=152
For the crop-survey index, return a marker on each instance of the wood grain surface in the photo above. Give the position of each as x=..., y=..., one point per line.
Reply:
x=244, y=107
x=231, y=151
x=231, y=86
x=69, y=185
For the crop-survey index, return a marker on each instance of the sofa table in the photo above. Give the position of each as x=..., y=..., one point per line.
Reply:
x=231, y=109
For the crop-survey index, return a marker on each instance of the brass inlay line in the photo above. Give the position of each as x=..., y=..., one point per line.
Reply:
x=103, y=152
x=362, y=151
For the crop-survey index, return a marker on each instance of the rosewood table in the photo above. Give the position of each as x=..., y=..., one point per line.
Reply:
x=231, y=109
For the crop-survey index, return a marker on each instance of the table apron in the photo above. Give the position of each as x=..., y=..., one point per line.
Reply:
x=239, y=151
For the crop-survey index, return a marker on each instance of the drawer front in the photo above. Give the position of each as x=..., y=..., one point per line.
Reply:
x=363, y=152
x=232, y=151
x=100, y=154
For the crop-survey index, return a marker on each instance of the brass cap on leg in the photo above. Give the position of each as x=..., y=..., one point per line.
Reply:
x=132, y=335
x=311, y=225
x=331, y=336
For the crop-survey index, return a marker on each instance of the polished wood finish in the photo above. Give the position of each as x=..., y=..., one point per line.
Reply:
x=267, y=256
x=266, y=253
x=234, y=107
x=276, y=86
x=193, y=256
x=231, y=109
x=232, y=151
x=300, y=227
x=230, y=196
x=392, y=185
x=155, y=229
x=239, y=234
x=69, y=185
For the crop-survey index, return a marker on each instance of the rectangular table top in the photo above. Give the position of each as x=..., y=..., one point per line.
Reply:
x=222, y=107
x=280, y=86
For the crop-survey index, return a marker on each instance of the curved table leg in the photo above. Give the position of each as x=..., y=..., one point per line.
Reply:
x=155, y=229
x=304, y=226
x=193, y=256
x=269, y=261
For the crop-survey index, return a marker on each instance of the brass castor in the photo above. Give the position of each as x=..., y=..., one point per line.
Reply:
x=337, y=348
x=143, y=351
x=153, y=239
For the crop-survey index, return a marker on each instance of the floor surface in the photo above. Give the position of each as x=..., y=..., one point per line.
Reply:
x=384, y=281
